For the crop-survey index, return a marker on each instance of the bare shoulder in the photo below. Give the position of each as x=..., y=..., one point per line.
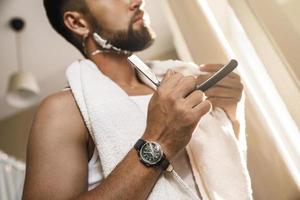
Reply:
x=57, y=150
x=60, y=103
x=59, y=113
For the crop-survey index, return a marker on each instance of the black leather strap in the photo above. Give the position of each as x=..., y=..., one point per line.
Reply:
x=138, y=145
x=164, y=163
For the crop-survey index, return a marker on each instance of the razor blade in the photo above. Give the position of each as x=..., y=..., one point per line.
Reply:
x=144, y=69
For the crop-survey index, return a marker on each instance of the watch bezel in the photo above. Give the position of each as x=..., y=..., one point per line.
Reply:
x=147, y=162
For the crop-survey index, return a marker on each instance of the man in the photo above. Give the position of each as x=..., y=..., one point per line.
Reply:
x=60, y=146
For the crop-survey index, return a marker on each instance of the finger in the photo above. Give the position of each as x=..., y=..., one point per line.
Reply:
x=234, y=75
x=185, y=86
x=230, y=83
x=221, y=102
x=210, y=67
x=230, y=87
x=222, y=99
x=201, y=78
x=226, y=81
x=173, y=79
x=230, y=77
x=202, y=108
x=223, y=92
x=194, y=98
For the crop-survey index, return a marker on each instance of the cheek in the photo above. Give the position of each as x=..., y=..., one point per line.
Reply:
x=112, y=16
x=117, y=22
x=126, y=1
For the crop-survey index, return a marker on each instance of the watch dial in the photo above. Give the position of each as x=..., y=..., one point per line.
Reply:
x=151, y=153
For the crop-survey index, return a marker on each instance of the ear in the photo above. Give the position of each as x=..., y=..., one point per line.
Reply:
x=76, y=23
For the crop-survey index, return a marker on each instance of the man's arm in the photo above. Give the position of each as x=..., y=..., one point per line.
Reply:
x=57, y=158
x=57, y=152
x=57, y=162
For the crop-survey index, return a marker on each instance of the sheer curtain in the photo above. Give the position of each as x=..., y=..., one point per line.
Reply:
x=12, y=173
x=207, y=31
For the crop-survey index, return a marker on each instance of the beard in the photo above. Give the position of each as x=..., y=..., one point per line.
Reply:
x=130, y=39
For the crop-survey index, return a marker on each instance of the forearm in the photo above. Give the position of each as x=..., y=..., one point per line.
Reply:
x=129, y=180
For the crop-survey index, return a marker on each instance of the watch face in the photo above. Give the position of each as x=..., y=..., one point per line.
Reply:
x=151, y=153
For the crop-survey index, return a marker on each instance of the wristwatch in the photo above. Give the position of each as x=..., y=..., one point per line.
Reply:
x=151, y=154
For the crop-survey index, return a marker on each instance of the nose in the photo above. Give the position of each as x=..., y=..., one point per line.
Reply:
x=136, y=4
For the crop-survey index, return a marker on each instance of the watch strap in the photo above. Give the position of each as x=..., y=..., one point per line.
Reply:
x=164, y=163
x=138, y=145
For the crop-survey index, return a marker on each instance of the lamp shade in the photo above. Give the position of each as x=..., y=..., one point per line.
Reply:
x=23, y=90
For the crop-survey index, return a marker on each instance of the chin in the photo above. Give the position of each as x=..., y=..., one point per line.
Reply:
x=144, y=45
x=141, y=39
x=134, y=39
x=148, y=45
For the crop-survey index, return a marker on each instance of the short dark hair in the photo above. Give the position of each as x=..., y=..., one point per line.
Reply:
x=55, y=10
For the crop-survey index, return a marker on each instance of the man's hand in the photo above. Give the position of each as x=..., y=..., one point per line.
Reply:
x=226, y=94
x=174, y=112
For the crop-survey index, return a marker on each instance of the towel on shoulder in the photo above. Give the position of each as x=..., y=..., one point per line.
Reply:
x=216, y=156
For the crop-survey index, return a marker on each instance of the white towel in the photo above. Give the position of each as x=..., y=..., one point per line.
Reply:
x=217, y=158
x=115, y=123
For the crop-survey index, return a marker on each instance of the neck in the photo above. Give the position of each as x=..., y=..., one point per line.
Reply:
x=116, y=67
x=113, y=65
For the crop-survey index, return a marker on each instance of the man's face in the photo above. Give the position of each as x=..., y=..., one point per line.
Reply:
x=123, y=23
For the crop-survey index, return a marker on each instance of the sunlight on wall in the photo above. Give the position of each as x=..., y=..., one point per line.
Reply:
x=259, y=85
